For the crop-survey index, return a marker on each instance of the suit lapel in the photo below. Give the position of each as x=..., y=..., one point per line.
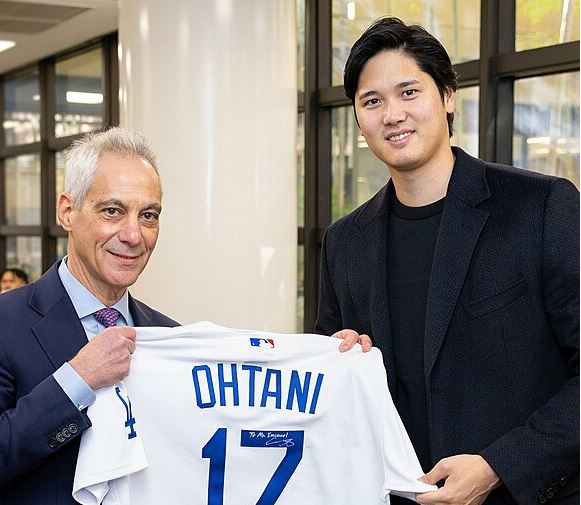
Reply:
x=140, y=313
x=60, y=332
x=368, y=274
x=460, y=227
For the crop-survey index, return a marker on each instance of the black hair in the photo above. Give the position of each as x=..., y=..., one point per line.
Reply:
x=390, y=33
x=17, y=272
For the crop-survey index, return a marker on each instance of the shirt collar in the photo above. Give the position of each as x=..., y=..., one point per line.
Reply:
x=85, y=302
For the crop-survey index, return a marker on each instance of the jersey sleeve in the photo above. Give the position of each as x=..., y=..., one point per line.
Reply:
x=402, y=468
x=110, y=451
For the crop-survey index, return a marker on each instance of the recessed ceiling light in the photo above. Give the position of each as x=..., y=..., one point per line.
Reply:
x=84, y=97
x=350, y=11
x=6, y=44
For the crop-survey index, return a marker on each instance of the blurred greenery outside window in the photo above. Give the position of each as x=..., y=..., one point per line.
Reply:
x=545, y=23
x=455, y=23
x=300, y=322
x=546, y=125
x=466, y=120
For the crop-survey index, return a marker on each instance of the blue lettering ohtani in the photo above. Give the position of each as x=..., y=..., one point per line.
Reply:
x=226, y=384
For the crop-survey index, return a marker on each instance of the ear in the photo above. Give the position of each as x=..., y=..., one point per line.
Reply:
x=450, y=100
x=64, y=209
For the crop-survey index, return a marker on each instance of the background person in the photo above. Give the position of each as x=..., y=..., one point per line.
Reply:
x=11, y=278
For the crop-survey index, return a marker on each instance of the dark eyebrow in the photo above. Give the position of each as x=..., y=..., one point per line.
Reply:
x=114, y=202
x=366, y=94
x=154, y=206
x=403, y=84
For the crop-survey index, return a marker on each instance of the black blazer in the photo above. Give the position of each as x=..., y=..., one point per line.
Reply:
x=501, y=345
x=39, y=331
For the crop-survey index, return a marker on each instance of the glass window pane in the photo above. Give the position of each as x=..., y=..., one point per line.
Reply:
x=59, y=186
x=540, y=24
x=455, y=24
x=466, y=120
x=61, y=247
x=22, y=186
x=301, y=44
x=22, y=109
x=301, y=170
x=79, y=93
x=301, y=290
x=24, y=253
x=546, y=125
x=356, y=173
x=60, y=173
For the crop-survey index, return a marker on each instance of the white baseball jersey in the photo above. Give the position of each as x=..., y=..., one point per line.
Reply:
x=216, y=416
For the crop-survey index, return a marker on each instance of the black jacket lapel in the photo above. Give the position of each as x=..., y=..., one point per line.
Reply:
x=460, y=227
x=368, y=274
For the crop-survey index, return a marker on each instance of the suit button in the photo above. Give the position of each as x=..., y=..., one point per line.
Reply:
x=52, y=443
x=59, y=438
x=73, y=428
x=66, y=433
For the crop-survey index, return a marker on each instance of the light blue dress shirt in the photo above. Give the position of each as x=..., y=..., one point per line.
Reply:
x=85, y=303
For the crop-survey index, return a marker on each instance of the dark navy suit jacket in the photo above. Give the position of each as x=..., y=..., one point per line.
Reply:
x=501, y=344
x=40, y=428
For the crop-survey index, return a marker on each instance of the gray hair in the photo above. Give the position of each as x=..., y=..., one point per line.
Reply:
x=84, y=155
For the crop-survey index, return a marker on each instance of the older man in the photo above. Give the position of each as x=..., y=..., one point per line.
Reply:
x=68, y=334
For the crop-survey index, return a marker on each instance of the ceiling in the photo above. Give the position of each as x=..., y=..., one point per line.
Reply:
x=41, y=28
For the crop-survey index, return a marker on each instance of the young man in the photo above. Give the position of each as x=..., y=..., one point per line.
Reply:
x=466, y=275
x=68, y=334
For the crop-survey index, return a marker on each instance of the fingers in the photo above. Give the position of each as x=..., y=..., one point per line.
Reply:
x=128, y=333
x=105, y=360
x=436, y=474
x=366, y=343
x=468, y=479
x=429, y=498
x=124, y=334
x=350, y=338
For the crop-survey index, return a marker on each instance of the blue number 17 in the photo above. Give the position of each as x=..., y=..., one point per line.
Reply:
x=215, y=451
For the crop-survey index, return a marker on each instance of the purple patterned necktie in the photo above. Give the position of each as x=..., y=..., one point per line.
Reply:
x=107, y=316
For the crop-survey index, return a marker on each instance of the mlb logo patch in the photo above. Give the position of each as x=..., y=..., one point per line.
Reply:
x=262, y=342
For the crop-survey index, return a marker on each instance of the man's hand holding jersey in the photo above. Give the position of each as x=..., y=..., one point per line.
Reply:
x=350, y=338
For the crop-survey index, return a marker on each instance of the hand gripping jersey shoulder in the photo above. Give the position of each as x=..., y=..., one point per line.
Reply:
x=217, y=416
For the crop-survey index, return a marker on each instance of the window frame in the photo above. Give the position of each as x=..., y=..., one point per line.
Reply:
x=49, y=144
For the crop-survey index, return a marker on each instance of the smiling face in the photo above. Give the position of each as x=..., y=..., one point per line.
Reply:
x=113, y=233
x=401, y=113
